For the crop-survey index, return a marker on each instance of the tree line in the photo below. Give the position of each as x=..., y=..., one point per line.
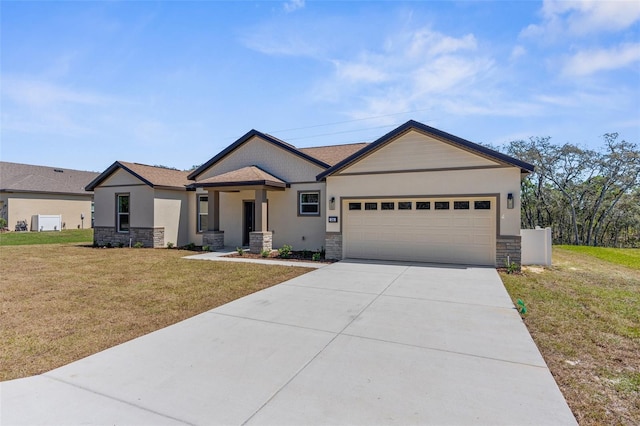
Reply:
x=587, y=196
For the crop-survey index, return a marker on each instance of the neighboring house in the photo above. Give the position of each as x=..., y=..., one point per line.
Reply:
x=140, y=203
x=27, y=191
x=417, y=194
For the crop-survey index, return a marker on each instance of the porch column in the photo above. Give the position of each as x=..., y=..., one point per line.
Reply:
x=214, y=211
x=213, y=237
x=261, y=210
x=261, y=238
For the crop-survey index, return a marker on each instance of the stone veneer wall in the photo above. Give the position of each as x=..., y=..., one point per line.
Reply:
x=150, y=237
x=213, y=239
x=333, y=245
x=259, y=241
x=508, y=247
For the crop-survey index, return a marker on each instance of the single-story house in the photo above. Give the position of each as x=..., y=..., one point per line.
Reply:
x=27, y=191
x=416, y=194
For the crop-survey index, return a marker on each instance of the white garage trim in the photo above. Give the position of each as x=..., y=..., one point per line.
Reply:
x=464, y=235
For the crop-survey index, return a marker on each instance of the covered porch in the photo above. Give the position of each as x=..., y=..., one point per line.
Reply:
x=254, y=212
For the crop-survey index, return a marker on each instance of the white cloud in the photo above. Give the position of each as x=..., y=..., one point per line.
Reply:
x=590, y=61
x=409, y=71
x=37, y=93
x=517, y=52
x=578, y=18
x=292, y=5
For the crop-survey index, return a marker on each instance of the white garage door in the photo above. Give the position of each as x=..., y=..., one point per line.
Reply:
x=442, y=230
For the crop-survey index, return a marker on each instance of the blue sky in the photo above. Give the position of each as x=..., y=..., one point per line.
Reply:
x=84, y=84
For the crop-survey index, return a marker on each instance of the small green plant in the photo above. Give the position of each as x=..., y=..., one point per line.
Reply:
x=3, y=222
x=109, y=245
x=120, y=244
x=139, y=244
x=521, y=307
x=205, y=248
x=285, y=251
x=511, y=267
x=240, y=251
x=190, y=246
x=169, y=245
x=316, y=257
x=265, y=253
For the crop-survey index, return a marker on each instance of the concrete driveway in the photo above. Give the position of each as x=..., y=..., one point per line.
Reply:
x=350, y=343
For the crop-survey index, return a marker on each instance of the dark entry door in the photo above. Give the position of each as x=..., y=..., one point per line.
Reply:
x=249, y=221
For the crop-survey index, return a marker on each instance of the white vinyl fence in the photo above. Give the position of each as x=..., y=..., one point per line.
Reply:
x=536, y=246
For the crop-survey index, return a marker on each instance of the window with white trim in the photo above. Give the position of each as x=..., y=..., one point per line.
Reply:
x=122, y=215
x=203, y=213
x=309, y=203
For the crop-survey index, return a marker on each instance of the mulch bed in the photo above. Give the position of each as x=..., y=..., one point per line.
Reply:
x=296, y=256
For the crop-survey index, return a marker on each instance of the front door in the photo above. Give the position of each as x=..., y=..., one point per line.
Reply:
x=249, y=220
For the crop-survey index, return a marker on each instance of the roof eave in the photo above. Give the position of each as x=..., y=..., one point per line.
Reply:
x=109, y=171
x=240, y=183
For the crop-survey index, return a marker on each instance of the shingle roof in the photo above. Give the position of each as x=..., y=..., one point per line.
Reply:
x=29, y=178
x=151, y=175
x=333, y=154
x=251, y=175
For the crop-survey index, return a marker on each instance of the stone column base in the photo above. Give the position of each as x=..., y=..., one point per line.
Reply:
x=260, y=241
x=213, y=239
x=333, y=245
x=508, y=248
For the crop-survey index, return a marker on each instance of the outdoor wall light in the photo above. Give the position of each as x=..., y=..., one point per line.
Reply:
x=332, y=203
x=509, y=200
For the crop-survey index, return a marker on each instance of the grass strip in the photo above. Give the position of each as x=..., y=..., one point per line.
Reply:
x=583, y=313
x=49, y=237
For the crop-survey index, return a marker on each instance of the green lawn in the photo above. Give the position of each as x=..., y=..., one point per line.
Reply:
x=629, y=257
x=50, y=237
x=583, y=314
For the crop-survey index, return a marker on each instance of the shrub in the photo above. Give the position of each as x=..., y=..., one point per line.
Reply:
x=205, y=248
x=511, y=267
x=3, y=222
x=265, y=253
x=315, y=257
x=190, y=246
x=169, y=245
x=139, y=244
x=120, y=244
x=108, y=245
x=240, y=251
x=285, y=251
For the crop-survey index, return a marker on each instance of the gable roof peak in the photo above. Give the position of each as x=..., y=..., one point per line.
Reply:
x=438, y=134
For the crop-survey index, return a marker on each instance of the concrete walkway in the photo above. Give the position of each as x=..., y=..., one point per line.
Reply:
x=351, y=343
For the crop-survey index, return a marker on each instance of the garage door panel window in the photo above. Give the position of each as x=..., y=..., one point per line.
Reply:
x=404, y=205
x=371, y=206
x=309, y=204
x=423, y=205
x=387, y=206
x=461, y=205
x=442, y=205
x=482, y=205
x=355, y=206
